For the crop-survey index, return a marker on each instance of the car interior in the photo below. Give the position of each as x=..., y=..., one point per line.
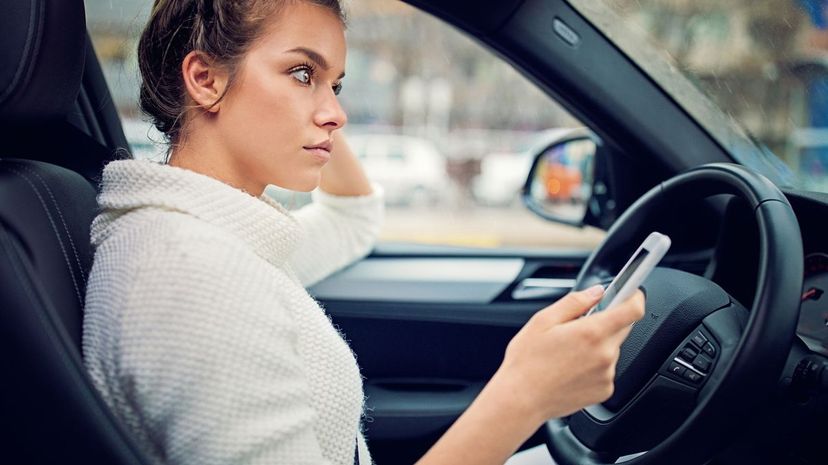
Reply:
x=429, y=324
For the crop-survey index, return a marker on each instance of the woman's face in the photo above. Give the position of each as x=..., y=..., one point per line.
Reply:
x=277, y=118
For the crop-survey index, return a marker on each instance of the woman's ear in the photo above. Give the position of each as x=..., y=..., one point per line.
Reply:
x=205, y=82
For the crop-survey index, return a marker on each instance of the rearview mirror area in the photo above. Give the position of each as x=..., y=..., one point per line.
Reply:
x=560, y=183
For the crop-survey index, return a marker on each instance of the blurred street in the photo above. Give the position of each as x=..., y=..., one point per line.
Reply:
x=484, y=227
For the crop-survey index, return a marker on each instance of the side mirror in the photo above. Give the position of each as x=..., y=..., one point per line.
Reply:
x=559, y=186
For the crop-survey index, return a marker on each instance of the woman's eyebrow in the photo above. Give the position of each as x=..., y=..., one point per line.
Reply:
x=314, y=56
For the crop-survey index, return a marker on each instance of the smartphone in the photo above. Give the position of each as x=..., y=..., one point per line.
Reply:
x=635, y=271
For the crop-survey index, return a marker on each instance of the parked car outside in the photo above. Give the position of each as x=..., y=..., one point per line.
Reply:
x=411, y=170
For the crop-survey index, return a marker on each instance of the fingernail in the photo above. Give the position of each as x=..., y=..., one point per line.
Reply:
x=595, y=291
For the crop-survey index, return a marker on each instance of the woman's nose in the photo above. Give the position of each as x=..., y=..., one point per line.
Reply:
x=329, y=114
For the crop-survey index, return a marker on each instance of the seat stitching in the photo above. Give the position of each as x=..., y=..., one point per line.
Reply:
x=62, y=220
x=25, y=283
x=54, y=229
x=58, y=335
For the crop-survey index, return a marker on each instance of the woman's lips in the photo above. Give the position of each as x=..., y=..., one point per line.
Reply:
x=319, y=154
x=320, y=151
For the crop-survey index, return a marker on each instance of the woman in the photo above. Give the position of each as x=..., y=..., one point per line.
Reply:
x=198, y=331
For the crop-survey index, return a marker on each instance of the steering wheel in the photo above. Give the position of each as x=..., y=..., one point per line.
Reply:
x=698, y=363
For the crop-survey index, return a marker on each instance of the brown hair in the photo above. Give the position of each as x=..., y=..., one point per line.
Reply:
x=221, y=29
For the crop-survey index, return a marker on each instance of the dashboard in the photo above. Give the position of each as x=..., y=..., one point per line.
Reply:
x=812, y=213
x=735, y=261
x=813, y=312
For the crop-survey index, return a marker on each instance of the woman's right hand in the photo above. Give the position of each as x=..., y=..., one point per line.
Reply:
x=558, y=363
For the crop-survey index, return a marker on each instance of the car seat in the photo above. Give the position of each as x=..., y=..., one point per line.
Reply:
x=54, y=138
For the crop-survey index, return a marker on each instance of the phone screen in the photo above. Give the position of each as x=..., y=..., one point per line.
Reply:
x=620, y=280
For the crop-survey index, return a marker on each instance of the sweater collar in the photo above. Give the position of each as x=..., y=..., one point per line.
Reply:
x=127, y=185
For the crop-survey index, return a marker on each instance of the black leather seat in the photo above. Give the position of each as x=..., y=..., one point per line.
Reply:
x=49, y=410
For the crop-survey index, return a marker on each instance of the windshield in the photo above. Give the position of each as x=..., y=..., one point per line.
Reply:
x=752, y=72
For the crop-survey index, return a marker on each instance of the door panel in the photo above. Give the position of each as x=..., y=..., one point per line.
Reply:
x=460, y=280
x=429, y=326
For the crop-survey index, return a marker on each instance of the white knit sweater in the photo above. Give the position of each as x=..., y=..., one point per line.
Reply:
x=198, y=330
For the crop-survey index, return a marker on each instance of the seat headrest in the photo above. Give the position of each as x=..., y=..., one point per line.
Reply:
x=42, y=54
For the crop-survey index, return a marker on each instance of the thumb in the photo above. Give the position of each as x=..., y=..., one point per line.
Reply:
x=573, y=305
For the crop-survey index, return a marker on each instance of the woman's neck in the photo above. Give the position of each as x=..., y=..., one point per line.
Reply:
x=205, y=156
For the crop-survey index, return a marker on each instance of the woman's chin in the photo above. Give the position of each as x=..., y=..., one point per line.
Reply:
x=300, y=184
x=309, y=184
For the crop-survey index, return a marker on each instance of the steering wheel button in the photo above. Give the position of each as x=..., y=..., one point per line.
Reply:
x=702, y=363
x=709, y=349
x=676, y=369
x=699, y=340
x=691, y=376
x=688, y=354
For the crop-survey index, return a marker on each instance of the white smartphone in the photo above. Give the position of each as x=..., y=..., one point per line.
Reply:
x=635, y=271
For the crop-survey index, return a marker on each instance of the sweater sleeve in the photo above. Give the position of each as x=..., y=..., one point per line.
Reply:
x=209, y=360
x=337, y=231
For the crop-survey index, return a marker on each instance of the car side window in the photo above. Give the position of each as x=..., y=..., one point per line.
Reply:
x=445, y=126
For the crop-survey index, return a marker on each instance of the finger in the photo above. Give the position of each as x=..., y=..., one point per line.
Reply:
x=621, y=336
x=621, y=316
x=572, y=305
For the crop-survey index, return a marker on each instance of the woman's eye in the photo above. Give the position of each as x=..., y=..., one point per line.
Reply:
x=302, y=75
x=337, y=88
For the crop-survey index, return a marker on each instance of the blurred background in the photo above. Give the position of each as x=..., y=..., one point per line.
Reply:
x=763, y=62
x=449, y=129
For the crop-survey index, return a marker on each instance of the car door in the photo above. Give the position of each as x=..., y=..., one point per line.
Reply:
x=429, y=326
